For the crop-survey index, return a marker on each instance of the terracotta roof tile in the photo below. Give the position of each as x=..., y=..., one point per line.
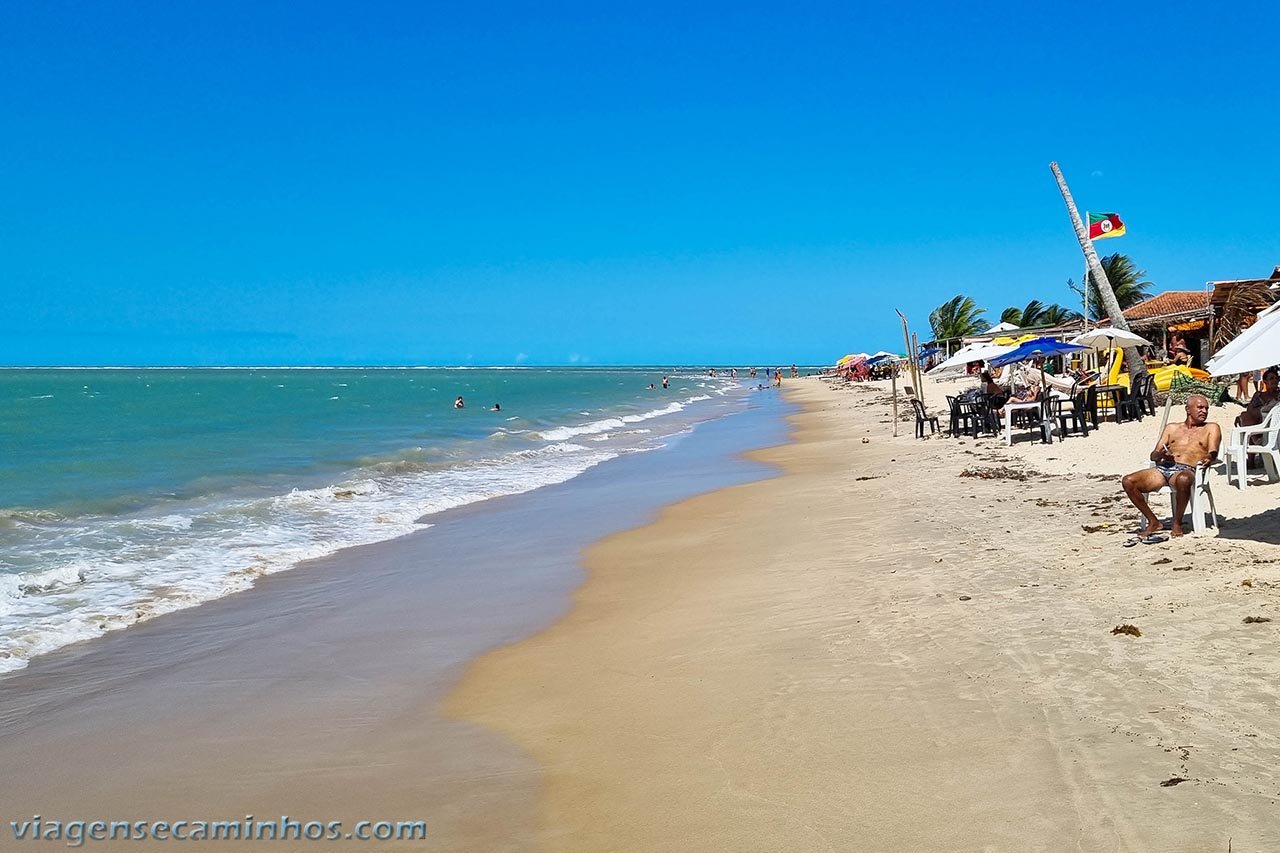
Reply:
x=1169, y=302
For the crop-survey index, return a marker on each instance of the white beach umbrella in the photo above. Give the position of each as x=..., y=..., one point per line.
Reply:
x=1106, y=338
x=1255, y=348
x=970, y=353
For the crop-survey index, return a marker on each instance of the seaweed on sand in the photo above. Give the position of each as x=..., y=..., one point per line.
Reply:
x=1004, y=472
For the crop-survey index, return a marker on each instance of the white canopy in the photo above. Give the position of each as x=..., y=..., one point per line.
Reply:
x=1255, y=348
x=1106, y=337
x=972, y=352
x=1001, y=327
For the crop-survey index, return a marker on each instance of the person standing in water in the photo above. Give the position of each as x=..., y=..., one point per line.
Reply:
x=666, y=383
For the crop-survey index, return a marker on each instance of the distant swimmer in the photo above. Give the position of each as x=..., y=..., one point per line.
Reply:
x=666, y=383
x=733, y=373
x=458, y=404
x=651, y=387
x=497, y=407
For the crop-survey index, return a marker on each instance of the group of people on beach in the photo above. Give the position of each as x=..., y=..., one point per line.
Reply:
x=1182, y=450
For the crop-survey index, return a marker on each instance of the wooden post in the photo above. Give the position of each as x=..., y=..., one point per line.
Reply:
x=1086, y=296
x=1209, y=301
x=915, y=364
x=1131, y=358
x=911, y=360
x=893, y=383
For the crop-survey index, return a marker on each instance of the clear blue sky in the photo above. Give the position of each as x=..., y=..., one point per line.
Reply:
x=327, y=183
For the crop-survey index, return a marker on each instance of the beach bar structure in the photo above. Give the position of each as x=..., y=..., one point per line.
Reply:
x=1236, y=304
x=1184, y=311
x=1207, y=319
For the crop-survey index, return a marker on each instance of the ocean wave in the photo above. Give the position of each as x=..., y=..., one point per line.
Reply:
x=29, y=516
x=606, y=424
x=107, y=573
x=76, y=575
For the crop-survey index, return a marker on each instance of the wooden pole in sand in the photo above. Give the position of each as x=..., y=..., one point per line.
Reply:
x=911, y=361
x=1131, y=358
x=915, y=366
x=893, y=383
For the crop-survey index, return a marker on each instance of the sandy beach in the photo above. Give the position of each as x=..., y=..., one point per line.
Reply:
x=906, y=645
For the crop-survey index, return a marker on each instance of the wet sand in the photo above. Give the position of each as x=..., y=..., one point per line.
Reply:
x=873, y=652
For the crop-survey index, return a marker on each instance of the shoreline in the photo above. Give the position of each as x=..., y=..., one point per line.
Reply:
x=873, y=652
x=316, y=692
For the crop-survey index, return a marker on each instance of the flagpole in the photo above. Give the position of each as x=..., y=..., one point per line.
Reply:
x=1086, y=285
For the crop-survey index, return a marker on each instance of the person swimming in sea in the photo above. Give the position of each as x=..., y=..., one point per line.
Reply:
x=497, y=407
x=458, y=404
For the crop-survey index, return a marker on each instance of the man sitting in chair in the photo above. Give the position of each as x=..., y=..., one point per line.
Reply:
x=1182, y=449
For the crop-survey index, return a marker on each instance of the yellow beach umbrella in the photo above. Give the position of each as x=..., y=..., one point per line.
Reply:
x=1010, y=341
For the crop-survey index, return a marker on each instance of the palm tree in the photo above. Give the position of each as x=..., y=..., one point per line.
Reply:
x=1056, y=315
x=1127, y=281
x=1025, y=317
x=958, y=317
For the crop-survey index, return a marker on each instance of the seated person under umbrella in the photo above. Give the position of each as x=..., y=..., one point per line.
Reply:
x=1262, y=402
x=993, y=389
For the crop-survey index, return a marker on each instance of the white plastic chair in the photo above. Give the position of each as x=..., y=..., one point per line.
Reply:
x=1201, y=505
x=1237, y=450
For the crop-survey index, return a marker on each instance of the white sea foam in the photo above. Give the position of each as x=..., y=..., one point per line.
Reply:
x=606, y=424
x=66, y=579
x=108, y=573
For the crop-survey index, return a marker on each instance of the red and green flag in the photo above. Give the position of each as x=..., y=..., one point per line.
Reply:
x=1105, y=225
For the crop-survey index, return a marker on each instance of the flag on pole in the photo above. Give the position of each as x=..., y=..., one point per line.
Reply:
x=1105, y=225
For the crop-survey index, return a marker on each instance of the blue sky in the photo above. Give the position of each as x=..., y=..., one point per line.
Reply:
x=548, y=183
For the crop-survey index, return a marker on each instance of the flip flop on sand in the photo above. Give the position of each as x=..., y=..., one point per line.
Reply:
x=1153, y=539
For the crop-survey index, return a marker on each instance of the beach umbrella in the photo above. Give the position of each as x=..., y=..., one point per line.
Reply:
x=882, y=358
x=970, y=353
x=1256, y=348
x=1107, y=338
x=1038, y=348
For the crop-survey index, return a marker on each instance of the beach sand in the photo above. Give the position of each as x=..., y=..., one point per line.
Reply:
x=874, y=652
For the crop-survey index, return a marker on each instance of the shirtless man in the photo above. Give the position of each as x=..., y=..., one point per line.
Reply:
x=1182, y=449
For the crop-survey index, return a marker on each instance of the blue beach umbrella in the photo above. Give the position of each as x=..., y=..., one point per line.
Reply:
x=1038, y=348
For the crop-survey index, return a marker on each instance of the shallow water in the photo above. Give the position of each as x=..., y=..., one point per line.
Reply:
x=126, y=493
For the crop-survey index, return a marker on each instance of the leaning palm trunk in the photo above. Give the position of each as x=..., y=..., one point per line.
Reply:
x=1132, y=360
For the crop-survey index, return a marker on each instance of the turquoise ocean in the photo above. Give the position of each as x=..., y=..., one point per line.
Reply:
x=127, y=493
